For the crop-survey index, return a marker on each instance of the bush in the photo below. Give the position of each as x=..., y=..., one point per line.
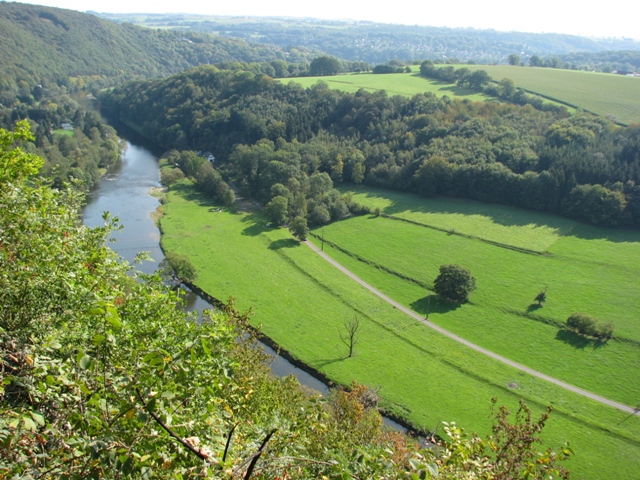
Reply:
x=169, y=175
x=587, y=325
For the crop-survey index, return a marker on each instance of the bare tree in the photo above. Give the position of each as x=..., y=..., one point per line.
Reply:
x=350, y=337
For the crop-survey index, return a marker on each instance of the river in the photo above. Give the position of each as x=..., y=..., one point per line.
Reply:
x=126, y=194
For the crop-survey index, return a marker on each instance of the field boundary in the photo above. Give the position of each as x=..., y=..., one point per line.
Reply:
x=371, y=263
x=469, y=237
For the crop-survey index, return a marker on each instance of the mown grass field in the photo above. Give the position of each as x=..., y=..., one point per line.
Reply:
x=586, y=269
x=601, y=93
x=405, y=84
x=302, y=303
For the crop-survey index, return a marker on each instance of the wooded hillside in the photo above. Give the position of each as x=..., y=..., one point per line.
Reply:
x=265, y=133
x=42, y=45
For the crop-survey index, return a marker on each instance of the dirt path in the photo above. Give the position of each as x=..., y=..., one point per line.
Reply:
x=453, y=336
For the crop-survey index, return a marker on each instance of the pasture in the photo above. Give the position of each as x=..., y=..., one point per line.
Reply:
x=302, y=303
x=404, y=84
x=601, y=93
x=602, y=283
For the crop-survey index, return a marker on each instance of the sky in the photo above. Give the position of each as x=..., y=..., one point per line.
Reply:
x=614, y=18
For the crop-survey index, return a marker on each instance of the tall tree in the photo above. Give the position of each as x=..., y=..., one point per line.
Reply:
x=325, y=66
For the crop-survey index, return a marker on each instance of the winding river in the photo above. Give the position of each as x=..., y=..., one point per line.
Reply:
x=126, y=193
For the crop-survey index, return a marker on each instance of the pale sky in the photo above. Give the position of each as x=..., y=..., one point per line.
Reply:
x=613, y=18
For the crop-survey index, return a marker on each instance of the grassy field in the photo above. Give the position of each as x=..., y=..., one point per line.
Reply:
x=586, y=269
x=405, y=84
x=302, y=303
x=601, y=93
x=63, y=133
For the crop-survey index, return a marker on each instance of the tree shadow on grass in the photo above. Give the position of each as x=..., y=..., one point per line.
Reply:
x=323, y=363
x=284, y=243
x=533, y=307
x=255, y=225
x=579, y=341
x=189, y=193
x=433, y=304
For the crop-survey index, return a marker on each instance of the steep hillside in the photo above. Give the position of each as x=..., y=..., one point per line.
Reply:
x=42, y=45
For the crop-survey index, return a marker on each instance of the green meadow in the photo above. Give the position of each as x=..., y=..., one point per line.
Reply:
x=603, y=283
x=302, y=302
x=404, y=84
x=601, y=93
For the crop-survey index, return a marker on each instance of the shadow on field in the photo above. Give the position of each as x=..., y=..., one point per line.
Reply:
x=456, y=90
x=533, y=307
x=323, y=363
x=579, y=341
x=256, y=225
x=190, y=194
x=504, y=215
x=284, y=243
x=433, y=304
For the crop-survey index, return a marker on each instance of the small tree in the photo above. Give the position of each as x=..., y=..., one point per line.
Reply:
x=228, y=198
x=350, y=337
x=299, y=229
x=454, y=283
x=177, y=269
x=541, y=297
x=277, y=209
x=587, y=325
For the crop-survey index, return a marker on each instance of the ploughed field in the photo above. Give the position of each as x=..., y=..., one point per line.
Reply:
x=302, y=302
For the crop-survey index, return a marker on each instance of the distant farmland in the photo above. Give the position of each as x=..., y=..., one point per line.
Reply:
x=405, y=84
x=600, y=93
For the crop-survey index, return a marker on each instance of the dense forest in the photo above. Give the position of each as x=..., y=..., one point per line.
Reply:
x=378, y=43
x=276, y=140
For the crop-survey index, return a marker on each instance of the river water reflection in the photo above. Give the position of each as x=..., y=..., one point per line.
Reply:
x=126, y=193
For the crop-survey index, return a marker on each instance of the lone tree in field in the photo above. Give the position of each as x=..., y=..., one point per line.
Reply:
x=350, y=336
x=541, y=297
x=454, y=283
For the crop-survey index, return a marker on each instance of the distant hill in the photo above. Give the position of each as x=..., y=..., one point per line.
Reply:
x=378, y=43
x=41, y=45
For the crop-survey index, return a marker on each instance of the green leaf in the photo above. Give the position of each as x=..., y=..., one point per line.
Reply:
x=28, y=424
x=97, y=311
x=205, y=346
x=114, y=321
x=98, y=339
x=85, y=361
x=38, y=418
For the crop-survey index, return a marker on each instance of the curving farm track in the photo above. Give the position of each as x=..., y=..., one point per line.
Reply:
x=453, y=336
